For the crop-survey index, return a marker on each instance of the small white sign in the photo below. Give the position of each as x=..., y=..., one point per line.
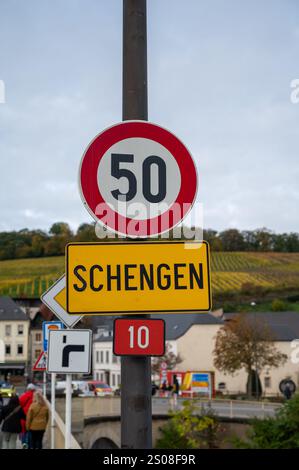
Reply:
x=51, y=299
x=69, y=352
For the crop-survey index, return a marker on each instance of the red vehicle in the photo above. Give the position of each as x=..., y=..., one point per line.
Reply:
x=100, y=389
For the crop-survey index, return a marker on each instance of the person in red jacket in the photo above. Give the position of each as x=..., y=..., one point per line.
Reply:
x=25, y=401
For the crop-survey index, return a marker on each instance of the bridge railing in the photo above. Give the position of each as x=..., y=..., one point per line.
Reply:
x=110, y=406
x=240, y=408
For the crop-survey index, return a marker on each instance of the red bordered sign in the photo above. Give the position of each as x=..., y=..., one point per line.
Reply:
x=138, y=179
x=139, y=337
x=41, y=362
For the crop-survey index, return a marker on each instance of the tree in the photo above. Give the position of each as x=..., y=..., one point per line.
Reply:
x=213, y=239
x=250, y=241
x=171, y=359
x=61, y=228
x=279, y=242
x=279, y=432
x=86, y=233
x=189, y=429
x=264, y=238
x=232, y=240
x=292, y=242
x=246, y=342
x=278, y=305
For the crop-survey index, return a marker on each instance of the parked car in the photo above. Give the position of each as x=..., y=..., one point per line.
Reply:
x=81, y=388
x=100, y=389
x=60, y=387
x=7, y=389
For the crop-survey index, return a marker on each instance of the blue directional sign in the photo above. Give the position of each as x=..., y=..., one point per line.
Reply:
x=49, y=326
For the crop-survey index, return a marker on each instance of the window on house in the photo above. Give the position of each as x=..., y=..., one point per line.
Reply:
x=37, y=353
x=7, y=330
x=98, y=376
x=107, y=357
x=97, y=357
x=20, y=329
x=7, y=349
x=267, y=382
x=102, y=357
x=20, y=349
x=38, y=337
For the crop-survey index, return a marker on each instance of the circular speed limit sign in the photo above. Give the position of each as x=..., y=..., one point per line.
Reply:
x=138, y=179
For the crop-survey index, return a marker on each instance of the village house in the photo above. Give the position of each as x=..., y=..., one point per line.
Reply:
x=192, y=336
x=14, y=338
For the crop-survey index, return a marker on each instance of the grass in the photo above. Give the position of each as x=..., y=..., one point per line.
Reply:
x=231, y=273
x=259, y=307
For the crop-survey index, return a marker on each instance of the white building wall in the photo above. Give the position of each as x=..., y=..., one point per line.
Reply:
x=10, y=335
x=106, y=366
x=196, y=348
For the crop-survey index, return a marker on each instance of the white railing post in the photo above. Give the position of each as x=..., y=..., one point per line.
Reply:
x=53, y=378
x=68, y=411
x=44, y=384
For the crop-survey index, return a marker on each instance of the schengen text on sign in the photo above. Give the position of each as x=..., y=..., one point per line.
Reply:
x=137, y=277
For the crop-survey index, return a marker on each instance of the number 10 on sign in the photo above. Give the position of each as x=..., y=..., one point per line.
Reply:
x=139, y=337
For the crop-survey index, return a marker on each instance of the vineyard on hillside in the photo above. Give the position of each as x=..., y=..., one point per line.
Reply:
x=231, y=272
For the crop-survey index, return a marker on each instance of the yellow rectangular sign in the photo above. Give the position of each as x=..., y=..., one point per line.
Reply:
x=113, y=278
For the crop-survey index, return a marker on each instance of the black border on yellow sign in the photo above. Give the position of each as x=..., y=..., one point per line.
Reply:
x=138, y=242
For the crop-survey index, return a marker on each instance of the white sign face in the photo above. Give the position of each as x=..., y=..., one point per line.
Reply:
x=53, y=298
x=162, y=174
x=69, y=352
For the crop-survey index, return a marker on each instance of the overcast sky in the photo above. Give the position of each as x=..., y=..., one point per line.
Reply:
x=219, y=78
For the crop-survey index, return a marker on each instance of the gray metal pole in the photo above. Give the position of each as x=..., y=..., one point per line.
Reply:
x=136, y=399
x=134, y=60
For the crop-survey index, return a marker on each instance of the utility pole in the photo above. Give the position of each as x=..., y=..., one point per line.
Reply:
x=136, y=397
x=134, y=60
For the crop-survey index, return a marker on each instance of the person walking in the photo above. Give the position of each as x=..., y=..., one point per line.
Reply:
x=25, y=401
x=11, y=416
x=175, y=390
x=36, y=421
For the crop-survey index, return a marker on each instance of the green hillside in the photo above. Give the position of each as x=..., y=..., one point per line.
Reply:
x=231, y=272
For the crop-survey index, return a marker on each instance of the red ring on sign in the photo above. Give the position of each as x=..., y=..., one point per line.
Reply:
x=125, y=130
